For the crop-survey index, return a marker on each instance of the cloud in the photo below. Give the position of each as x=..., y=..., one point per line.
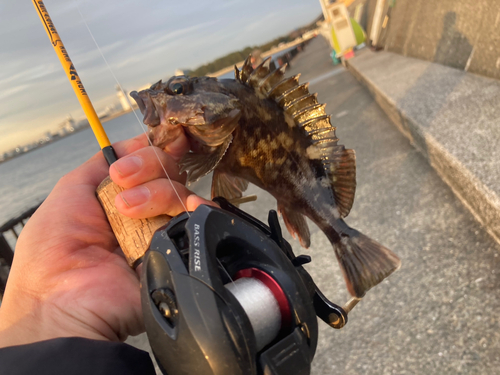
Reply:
x=33, y=73
x=261, y=22
x=159, y=38
x=229, y=4
x=6, y=93
x=85, y=56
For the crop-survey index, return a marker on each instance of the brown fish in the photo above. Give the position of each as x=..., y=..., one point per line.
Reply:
x=269, y=130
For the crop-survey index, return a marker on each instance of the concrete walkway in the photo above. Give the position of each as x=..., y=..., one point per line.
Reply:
x=439, y=313
x=450, y=116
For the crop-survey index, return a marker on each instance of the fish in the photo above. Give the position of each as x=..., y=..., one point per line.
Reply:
x=267, y=129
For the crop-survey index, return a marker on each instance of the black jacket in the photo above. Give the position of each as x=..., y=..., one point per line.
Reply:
x=75, y=356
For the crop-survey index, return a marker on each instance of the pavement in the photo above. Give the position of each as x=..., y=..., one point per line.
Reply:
x=439, y=313
x=450, y=116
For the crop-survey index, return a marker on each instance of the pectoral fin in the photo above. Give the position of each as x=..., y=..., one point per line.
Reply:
x=227, y=186
x=200, y=164
x=296, y=224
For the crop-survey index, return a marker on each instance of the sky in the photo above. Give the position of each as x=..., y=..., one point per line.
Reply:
x=143, y=41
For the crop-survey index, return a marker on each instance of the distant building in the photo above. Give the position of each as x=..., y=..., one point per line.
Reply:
x=66, y=127
x=123, y=100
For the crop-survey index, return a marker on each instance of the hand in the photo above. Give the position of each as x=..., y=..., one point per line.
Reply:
x=69, y=277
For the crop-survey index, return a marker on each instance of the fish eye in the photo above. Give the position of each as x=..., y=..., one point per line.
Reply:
x=177, y=88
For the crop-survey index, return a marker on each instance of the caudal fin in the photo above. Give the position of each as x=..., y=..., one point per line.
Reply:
x=364, y=262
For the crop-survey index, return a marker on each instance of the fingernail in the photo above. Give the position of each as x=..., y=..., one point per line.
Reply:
x=135, y=196
x=128, y=165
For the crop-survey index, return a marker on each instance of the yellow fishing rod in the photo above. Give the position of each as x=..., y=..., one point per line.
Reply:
x=76, y=83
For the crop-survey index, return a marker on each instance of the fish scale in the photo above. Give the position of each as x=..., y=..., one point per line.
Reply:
x=269, y=130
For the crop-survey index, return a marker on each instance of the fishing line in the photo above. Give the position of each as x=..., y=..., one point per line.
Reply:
x=227, y=273
x=256, y=298
x=300, y=167
x=131, y=106
x=141, y=124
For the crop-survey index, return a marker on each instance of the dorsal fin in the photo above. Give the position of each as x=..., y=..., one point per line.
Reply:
x=262, y=71
x=294, y=93
x=309, y=115
x=281, y=87
x=237, y=73
x=300, y=103
x=246, y=69
x=272, y=79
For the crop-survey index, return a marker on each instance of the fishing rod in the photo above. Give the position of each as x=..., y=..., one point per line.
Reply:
x=134, y=246
x=76, y=83
x=222, y=293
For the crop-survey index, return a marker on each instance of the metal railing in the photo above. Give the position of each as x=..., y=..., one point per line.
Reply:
x=12, y=227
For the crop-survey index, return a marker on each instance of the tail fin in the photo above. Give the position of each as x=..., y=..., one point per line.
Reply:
x=364, y=262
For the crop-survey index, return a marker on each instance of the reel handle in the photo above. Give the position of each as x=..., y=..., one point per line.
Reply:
x=133, y=235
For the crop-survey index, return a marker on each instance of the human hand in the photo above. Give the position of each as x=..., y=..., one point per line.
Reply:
x=69, y=277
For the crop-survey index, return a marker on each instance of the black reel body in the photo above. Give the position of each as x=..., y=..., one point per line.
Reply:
x=199, y=320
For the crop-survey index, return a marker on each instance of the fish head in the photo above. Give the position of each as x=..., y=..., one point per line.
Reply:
x=199, y=107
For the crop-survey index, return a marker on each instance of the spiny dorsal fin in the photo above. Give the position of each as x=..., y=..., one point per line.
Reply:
x=281, y=87
x=295, y=99
x=237, y=73
x=294, y=93
x=246, y=69
x=300, y=103
x=260, y=72
x=321, y=123
x=272, y=79
x=309, y=113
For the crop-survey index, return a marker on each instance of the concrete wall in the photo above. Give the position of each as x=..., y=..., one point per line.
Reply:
x=367, y=14
x=463, y=34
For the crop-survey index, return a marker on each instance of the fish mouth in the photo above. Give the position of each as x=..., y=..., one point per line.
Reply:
x=147, y=108
x=164, y=124
x=153, y=115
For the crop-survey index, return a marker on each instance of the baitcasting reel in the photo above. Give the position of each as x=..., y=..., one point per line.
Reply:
x=223, y=294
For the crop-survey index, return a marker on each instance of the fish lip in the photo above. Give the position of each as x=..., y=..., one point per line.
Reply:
x=140, y=103
x=147, y=108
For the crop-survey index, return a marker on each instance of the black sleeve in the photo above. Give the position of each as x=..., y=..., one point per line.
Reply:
x=75, y=356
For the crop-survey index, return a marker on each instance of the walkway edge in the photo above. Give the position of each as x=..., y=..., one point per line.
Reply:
x=483, y=202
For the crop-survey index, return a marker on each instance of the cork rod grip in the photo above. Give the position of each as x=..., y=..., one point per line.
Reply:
x=133, y=235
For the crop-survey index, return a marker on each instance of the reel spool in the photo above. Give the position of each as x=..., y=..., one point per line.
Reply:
x=223, y=294
x=264, y=303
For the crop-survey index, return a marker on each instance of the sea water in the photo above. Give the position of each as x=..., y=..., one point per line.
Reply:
x=27, y=179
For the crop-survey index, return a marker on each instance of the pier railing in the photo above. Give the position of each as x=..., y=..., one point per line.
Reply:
x=13, y=228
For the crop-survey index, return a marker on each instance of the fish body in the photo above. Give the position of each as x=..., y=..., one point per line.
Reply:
x=265, y=129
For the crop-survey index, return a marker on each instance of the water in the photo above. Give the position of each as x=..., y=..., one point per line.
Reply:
x=27, y=179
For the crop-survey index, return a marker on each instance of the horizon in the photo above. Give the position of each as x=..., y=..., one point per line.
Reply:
x=142, y=43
